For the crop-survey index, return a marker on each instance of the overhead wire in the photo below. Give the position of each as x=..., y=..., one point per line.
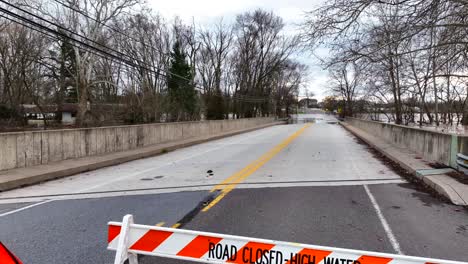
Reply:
x=52, y=36
x=98, y=50
x=88, y=39
x=111, y=28
x=108, y=26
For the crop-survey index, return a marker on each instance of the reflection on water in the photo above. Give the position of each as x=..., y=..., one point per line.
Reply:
x=317, y=117
x=455, y=128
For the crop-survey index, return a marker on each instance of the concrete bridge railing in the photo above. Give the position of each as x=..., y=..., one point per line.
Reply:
x=24, y=149
x=431, y=145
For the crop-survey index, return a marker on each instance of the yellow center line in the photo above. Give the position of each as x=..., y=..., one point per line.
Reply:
x=233, y=177
x=176, y=225
x=238, y=174
x=230, y=183
x=160, y=223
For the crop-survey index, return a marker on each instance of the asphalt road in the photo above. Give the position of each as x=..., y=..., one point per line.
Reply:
x=304, y=183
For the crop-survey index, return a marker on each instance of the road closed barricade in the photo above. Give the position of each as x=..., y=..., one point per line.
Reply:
x=129, y=240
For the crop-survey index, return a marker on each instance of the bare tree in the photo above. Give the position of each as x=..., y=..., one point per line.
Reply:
x=148, y=48
x=214, y=51
x=21, y=54
x=286, y=87
x=415, y=48
x=87, y=19
x=118, y=65
x=346, y=80
x=261, y=50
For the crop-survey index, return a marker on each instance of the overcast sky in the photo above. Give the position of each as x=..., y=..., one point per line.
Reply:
x=206, y=12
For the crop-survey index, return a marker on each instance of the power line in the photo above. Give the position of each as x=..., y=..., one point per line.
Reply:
x=85, y=38
x=108, y=26
x=112, y=28
x=130, y=63
x=54, y=36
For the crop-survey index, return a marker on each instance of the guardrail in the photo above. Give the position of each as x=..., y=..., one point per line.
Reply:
x=462, y=163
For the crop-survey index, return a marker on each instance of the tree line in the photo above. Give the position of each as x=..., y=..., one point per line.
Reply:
x=403, y=58
x=120, y=60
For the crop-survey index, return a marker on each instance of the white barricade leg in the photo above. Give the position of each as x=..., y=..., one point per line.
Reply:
x=122, y=253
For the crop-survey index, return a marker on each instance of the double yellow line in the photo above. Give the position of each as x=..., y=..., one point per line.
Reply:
x=230, y=183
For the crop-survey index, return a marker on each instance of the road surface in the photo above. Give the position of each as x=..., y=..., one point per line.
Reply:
x=311, y=183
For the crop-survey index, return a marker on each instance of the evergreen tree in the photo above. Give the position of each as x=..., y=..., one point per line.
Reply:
x=182, y=94
x=215, y=105
x=64, y=73
x=68, y=71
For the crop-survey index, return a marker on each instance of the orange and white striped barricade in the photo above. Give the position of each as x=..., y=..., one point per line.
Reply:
x=7, y=257
x=130, y=239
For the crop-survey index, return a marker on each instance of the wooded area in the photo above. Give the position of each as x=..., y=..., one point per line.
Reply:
x=403, y=58
x=118, y=61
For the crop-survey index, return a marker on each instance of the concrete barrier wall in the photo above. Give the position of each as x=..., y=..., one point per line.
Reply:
x=431, y=145
x=24, y=149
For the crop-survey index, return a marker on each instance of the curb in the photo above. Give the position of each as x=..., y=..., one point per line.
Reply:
x=434, y=181
x=58, y=170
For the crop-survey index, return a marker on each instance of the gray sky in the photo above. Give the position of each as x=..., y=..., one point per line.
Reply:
x=206, y=12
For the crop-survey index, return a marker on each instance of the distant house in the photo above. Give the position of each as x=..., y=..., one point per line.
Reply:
x=36, y=115
x=308, y=103
x=32, y=112
x=101, y=112
x=69, y=112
